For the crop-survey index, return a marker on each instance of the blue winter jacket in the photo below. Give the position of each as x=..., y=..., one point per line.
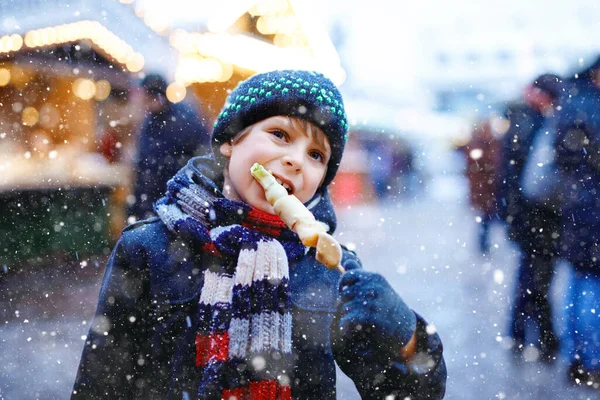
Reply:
x=578, y=157
x=141, y=342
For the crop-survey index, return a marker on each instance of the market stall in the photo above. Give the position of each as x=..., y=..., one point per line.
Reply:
x=66, y=130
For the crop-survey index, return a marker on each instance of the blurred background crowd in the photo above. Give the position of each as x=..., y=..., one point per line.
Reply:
x=535, y=170
x=457, y=126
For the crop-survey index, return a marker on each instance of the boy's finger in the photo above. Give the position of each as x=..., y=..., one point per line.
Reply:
x=349, y=278
x=353, y=276
x=351, y=265
x=360, y=292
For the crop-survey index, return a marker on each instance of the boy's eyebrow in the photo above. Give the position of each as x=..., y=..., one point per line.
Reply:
x=309, y=130
x=321, y=143
x=320, y=139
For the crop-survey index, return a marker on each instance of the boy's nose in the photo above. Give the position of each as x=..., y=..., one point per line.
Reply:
x=293, y=161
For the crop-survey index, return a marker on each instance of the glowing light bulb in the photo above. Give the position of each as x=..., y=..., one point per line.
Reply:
x=17, y=42
x=176, y=92
x=30, y=116
x=227, y=72
x=102, y=90
x=135, y=62
x=85, y=89
x=4, y=76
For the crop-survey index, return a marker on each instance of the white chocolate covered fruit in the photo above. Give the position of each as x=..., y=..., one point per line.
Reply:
x=299, y=219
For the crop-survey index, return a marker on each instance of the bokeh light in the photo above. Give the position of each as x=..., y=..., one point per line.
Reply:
x=102, y=90
x=30, y=116
x=135, y=62
x=85, y=89
x=4, y=76
x=176, y=92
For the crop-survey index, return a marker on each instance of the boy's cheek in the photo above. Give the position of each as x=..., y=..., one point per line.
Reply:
x=255, y=196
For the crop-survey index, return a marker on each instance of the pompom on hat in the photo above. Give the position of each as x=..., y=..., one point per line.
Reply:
x=303, y=94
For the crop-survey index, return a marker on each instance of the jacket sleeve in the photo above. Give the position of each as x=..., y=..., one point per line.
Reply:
x=382, y=375
x=112, y=359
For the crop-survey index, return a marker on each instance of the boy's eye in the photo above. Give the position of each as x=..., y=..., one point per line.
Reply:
x=279, y=134
x=317, y=155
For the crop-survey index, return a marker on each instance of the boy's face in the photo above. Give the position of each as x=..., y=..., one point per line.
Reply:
x=283, y=146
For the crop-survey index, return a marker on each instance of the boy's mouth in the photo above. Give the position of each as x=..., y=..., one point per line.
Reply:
x=286, y=185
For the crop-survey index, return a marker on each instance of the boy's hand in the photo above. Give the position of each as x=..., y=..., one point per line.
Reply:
x=374, y=318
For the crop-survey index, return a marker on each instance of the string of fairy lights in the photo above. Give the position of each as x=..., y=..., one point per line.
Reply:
x=203, y=57
x=210, y=56
x=100, y=36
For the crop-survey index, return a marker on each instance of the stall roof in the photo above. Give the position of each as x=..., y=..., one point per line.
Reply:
x=106, y=22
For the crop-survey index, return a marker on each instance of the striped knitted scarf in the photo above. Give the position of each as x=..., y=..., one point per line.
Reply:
x=244, y=339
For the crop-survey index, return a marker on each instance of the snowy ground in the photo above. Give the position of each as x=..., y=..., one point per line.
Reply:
x=425, y=246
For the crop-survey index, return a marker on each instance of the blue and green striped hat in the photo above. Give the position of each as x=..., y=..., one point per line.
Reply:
x=304, y=94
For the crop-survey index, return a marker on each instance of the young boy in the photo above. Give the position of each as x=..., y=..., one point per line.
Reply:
x=217, y=298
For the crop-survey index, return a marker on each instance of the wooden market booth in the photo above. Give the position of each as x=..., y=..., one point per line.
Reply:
x=65, y=78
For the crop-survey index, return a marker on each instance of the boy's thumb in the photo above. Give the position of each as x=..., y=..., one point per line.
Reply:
x=351, y=265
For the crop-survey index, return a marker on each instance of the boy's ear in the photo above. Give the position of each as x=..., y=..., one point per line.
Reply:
x=225, y=149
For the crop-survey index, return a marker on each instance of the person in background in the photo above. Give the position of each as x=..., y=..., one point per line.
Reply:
x=533, y=226
x=482, y=153
x=577, y=146
x=116, y=128
x=380, y=167
x=169, y=136
x=405, y=178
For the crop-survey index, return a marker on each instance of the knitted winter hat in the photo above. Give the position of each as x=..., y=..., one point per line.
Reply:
x=303, y=94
